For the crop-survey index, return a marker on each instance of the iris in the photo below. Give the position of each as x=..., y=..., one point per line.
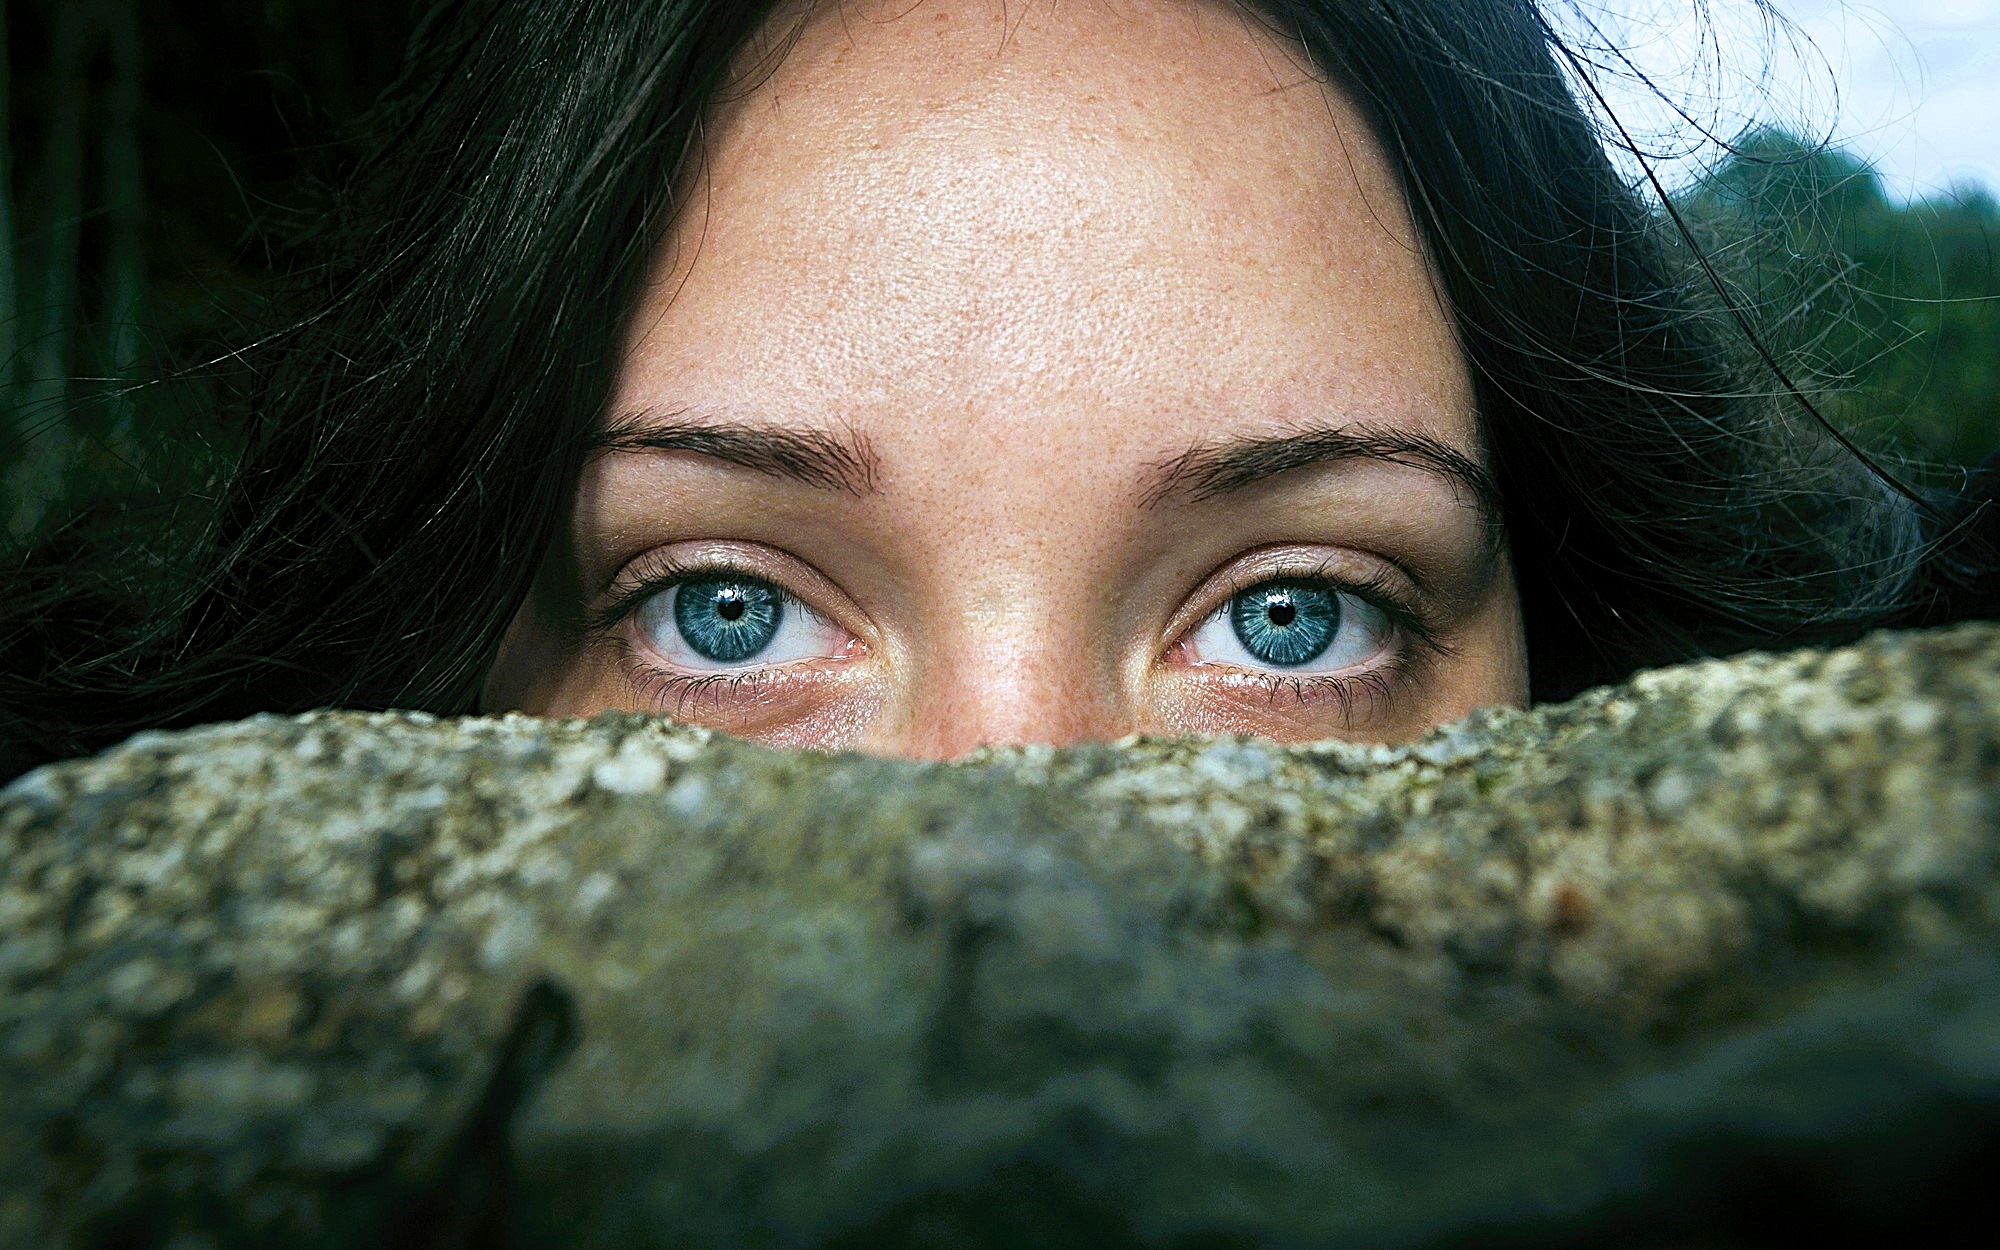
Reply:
x=728, y=619
x=1286, y=623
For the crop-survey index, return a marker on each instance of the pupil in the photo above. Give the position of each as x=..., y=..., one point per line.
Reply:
x=728, y=619
x=1286, y=623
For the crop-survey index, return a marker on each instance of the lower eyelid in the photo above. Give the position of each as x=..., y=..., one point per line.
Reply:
x=1287, y=706
x=674, y=689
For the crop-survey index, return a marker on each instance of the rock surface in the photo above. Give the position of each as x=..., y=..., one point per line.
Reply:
x=1695, y=957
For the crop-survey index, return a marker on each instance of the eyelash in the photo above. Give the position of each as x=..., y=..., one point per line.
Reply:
x=1409, y=663
x=687, y=689
x=657, y=574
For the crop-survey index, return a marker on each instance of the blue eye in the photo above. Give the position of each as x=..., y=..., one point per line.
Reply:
x=1285, y=623
x=1300, y=625
x=727, y=620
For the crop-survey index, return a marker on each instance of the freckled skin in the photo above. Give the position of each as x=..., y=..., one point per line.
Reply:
x=1027, y=253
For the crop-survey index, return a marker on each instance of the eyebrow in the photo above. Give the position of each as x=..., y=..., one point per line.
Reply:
x=822, y=459
x=1210, y=470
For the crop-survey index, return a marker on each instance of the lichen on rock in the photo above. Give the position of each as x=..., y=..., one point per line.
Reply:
x=363, y=980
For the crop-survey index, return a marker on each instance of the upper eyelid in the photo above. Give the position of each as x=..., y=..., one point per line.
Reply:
x=660, y=570
x=627, y=600
x=1408, y=610
x=1404, y=619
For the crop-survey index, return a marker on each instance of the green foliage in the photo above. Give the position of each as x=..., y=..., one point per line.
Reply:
x=1890, y=313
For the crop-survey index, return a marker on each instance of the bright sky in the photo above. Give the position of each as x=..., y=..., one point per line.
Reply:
x=1911, y=85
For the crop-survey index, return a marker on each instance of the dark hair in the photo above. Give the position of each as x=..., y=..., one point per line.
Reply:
x=418, y=432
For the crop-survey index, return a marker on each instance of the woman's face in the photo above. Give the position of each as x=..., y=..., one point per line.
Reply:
x=1033, y=372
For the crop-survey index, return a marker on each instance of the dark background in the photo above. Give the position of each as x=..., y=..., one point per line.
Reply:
x=163, y=161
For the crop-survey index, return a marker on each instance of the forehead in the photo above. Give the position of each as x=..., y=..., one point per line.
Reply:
x=1122, y=224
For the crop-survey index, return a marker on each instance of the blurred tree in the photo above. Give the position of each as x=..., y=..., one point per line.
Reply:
x=1893, y=311
x=40, y=423
x=156, y=161
x=9, y=302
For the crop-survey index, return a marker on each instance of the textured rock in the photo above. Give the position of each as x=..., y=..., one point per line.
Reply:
x=1701, y=955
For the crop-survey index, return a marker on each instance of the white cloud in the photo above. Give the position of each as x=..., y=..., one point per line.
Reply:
x=1916, y=90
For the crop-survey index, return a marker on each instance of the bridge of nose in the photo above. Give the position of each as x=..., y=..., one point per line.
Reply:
x=1028, y=565
x=1026, y=647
